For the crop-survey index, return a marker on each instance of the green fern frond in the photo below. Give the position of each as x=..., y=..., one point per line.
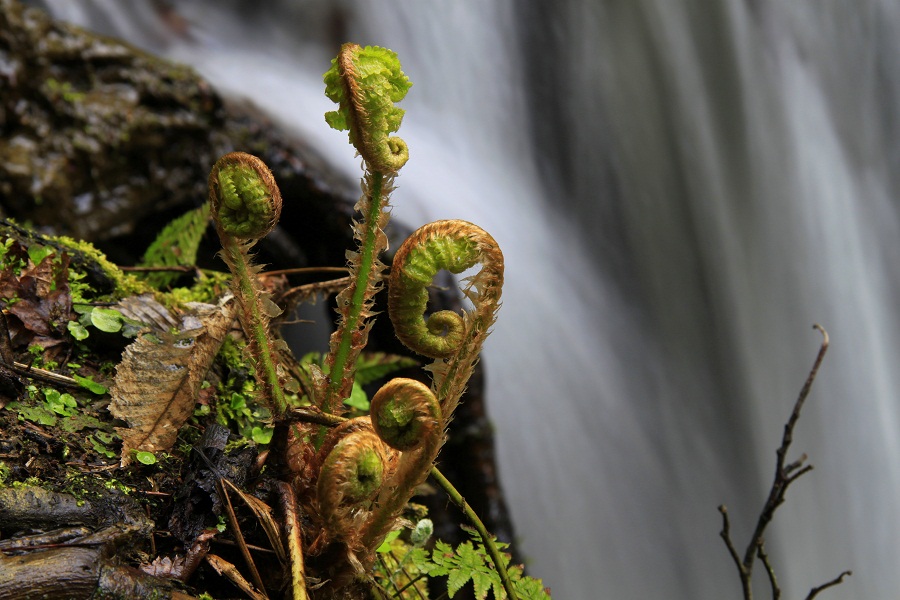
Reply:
x=176, y=245
x=470, y=562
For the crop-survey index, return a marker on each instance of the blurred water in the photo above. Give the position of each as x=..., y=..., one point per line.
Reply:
x=681, y=188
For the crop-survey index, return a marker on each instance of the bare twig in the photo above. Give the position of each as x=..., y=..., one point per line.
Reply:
x=837, y=580
x=782, y=472
x=45, y=375
x=770, y=571
x=742, y=571
x=309, y=289
x=299, y=270
x=308, y=414
x=785, y=474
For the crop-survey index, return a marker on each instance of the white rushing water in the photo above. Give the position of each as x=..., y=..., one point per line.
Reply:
x=681, y=188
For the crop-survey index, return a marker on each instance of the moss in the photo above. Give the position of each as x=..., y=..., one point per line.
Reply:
x=126, y=284
x=207, y=289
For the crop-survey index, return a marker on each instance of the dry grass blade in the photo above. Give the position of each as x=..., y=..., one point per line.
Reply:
x=223, y=567
x=239, y=537
x=295, y=540
x=263, y=512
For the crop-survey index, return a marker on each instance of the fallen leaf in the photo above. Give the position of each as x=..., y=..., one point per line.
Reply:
x=158, y=380
x=41, y=292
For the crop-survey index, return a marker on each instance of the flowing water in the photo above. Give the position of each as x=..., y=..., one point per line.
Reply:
x=681, y=188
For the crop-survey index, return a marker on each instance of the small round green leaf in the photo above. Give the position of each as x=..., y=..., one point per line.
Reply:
x=106, y=319
x=262, y=435
x=77, y=330
x=147, y=458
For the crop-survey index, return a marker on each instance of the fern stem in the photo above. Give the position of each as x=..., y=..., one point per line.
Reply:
x=361, y=285
x=250, y=298
x=486, y=537
x=245, y=204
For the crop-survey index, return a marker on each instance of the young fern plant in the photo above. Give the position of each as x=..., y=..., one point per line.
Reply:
x=365, y=82
x=245, y=204
x=356, y=477
x=409, y=419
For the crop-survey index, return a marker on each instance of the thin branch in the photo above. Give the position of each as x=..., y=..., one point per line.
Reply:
x=44, y=375
x=785, y=475
x=782, y=481
x=239, y=538
x=411, y=583
x=742, y=572
x=764, y=558
x=403, y=570
x=306, y=290
x=314, y=415
x=300, y=270
x=836, y=581
x=223, y=567
x=387, y=570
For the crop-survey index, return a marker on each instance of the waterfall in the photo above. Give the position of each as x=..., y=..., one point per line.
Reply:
x=681, y=188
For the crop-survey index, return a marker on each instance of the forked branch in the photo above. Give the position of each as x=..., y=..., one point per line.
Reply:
x=785, y=475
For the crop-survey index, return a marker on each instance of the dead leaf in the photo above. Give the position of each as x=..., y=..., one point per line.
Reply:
x=43, y=304
x=159, y=377
x=147, y=310
x=182, y=566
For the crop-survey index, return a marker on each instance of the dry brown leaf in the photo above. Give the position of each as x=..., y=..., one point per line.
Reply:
x=158, y=379
x=147, y=310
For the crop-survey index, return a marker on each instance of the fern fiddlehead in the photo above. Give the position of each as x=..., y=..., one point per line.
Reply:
x=406, y=415
x=245, y=204
x=353, y=465
x=365, y=82
x=244, y=198
x=454, y=340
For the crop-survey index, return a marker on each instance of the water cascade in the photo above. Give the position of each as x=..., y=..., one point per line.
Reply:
x=681, y=189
